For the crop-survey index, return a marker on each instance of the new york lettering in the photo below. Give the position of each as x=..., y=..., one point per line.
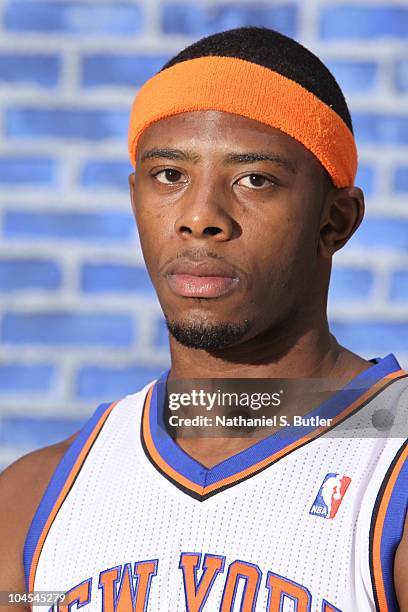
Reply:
x=126, y=588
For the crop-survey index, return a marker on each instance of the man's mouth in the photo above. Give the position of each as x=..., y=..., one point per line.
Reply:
x=189, y=285
x=207, y=278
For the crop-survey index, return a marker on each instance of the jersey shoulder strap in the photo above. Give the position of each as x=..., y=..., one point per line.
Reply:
x=386, y=529
x=58, y=488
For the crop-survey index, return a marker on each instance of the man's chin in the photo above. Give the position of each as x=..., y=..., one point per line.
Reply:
x=208, y=336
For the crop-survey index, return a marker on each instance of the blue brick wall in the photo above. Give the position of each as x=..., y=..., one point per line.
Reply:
x=111, y=277
x=194, y=20
x=355, y=76
x=34, y=432
x=22, y=274
x=102, y=174
x=79, y=319
x=401, y=75
x=354, y=20
x=69, y=225
x=367, y=178
x=75, y=18
x=125, y=70
x=399, y=285
x=31, y=171
x=94, y=380
x=380, y=128
x=38, y=69
x=351, y=284
x=17, y=377
x=67, y=329
x=401, y=179
x=29, y=122
x=381, y=232
x=371, y=338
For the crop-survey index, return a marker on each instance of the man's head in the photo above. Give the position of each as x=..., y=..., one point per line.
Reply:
x=238, y=220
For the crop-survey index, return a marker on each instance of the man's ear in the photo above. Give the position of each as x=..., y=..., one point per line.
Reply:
x=343, y=212
x=132, y=191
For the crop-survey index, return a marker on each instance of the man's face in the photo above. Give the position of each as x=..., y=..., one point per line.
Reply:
x=230, y=239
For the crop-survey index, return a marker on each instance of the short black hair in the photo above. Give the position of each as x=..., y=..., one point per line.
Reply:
x=275, y=51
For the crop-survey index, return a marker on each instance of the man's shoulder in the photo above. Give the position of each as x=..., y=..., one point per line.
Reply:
x=22, y=485
x=31, y=469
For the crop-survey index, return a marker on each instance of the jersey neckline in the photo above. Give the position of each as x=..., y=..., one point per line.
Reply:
x=201, y=482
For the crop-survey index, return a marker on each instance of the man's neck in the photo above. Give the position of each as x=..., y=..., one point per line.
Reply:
x=314, y=355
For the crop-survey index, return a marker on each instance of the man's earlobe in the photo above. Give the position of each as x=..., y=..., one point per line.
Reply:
x=342, y=214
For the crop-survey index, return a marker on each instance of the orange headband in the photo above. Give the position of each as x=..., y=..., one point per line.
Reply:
x=243, y=88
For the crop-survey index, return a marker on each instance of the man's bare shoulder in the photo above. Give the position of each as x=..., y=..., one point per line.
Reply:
x=22, y=485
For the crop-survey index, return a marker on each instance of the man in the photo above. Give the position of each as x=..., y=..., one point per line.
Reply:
x=243, y=191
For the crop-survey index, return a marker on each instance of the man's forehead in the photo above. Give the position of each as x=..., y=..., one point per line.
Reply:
x=191, y=135
x=203, y=128
x=208, y=119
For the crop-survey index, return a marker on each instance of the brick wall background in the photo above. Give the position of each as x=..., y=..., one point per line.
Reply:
x=79, y=321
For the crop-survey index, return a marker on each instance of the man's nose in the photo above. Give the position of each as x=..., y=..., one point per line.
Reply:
x=204, y=214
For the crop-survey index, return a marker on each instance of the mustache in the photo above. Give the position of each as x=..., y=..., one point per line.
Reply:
x=196, y=254
x=200, y=254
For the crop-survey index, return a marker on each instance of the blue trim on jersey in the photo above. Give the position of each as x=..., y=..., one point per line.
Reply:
x=392, y=533
x=202, y=476
x=166, y=446
x=54, y=488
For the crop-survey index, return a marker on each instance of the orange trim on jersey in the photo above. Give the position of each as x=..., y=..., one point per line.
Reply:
x=157, y=458
x=378, y=532
x=64, y=491
x=248, y=89
x=202, y=491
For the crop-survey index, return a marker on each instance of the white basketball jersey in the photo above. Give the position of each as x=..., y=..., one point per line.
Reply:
x=309, y=521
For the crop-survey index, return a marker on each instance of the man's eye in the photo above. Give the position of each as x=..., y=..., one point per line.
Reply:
x=168, y=176
x=254, y=181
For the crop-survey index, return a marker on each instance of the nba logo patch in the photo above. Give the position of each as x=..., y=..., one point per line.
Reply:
x=330, y=495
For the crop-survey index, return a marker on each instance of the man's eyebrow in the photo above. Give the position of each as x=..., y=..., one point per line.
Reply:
x=170, y=154
x=229, y=159
x=248, y=158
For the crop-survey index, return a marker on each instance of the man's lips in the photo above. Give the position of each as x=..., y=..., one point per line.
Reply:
x=188, y=285
x=207, y=278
